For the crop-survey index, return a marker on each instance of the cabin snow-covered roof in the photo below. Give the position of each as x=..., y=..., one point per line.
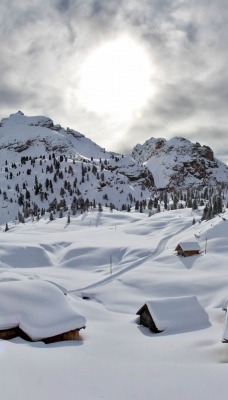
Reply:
x=178, y=314
x=39, y=308
x=189, y=246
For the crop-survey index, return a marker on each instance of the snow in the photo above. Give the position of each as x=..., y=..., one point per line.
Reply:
x=19, y=128
x=171, y=161
x=189, y=245
x=116, y=357
x=39, y=308
x=117, y=179
x=178, y=314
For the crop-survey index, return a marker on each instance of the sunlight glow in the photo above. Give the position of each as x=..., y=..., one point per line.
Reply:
x=116, y=79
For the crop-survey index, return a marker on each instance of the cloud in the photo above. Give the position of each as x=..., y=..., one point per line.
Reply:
x=44, y=44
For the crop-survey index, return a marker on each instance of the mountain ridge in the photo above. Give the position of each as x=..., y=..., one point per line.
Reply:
x=44, y=164
x=178, y=162
x=45, y=167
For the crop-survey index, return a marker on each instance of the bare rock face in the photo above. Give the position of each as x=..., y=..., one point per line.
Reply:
x=179, y=162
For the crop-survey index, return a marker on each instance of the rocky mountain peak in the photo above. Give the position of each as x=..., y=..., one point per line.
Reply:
x=179, y=162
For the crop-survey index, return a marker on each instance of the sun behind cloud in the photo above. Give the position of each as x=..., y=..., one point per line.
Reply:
x=115, y=79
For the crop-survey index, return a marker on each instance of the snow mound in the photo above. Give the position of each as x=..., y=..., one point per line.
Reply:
x=39, y=308
x=178, y=314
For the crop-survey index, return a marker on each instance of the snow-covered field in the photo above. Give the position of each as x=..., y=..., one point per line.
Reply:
x=118, y=261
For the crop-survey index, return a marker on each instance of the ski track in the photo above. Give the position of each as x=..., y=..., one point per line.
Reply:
x=159, y=249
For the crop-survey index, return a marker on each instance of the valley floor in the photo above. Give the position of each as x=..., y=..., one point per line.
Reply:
x=118, y=261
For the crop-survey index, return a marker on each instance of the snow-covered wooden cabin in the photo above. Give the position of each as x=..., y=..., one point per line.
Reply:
x=174, y=314
x=225, y=304
x=225, y=333
x=187, y=248
x=37, y=310
x=147, y=317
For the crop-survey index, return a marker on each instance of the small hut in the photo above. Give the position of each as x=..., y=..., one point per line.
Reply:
x=225, y=304
x=37, y=310
x=174, y=314
x=186, y=249
x=225, y=333
x=146, y=317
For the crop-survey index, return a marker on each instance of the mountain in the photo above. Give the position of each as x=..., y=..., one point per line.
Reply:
x=37, y=135
x=45, y=167
x=180, y=163
x=108, y=265
x=42, y=164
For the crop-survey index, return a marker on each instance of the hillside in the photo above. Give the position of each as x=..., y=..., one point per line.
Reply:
x=45, y=168
x=116, y=261
x=42, y=163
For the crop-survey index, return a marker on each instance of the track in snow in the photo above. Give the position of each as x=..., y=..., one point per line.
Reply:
x=150, y=256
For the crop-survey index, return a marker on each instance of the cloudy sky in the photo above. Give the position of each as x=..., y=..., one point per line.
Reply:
x=119, y=71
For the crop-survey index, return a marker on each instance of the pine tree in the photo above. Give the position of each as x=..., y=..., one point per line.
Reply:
x=27, y=195
x=215, y=207
x=21, y=199
x=150, y=204
x=6, y=227
x=210, y=213
x=175, y=201
x=219, y=204
x=205, y=212
x=36, y=187
x=194, y=204
x=189, y=202
x=155, y=202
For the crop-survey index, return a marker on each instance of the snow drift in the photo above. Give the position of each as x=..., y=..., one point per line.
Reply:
x=38, y=308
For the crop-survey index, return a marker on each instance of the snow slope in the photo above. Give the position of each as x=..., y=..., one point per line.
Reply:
x=34, y=148
x=38, y=135
x=117, y=261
